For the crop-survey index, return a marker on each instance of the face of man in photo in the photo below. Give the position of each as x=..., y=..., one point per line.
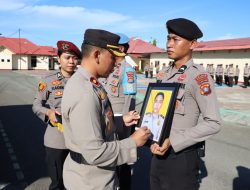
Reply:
x=157, y=103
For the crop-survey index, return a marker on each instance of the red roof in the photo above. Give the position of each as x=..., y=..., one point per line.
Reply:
x=138, y=46
x=26, y=47
x=230, y=44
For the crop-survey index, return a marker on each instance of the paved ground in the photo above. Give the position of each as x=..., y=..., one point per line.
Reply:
x=226, y=165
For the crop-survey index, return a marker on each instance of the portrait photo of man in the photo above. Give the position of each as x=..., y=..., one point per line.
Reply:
x=155, y=112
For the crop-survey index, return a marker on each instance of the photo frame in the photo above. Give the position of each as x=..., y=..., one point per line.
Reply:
x=158, y=109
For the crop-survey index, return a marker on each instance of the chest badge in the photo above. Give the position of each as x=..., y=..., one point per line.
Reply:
x=181, y=77
x=95, y=82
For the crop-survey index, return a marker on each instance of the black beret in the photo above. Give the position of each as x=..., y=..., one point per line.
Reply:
x=184, y=28
x=66, y=46
x=103, y=39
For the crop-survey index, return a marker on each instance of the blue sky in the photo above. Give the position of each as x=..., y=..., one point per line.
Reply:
x=44, y=22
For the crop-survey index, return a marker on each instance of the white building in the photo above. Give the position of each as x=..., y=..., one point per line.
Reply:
x=225, y=52
x=22, y=54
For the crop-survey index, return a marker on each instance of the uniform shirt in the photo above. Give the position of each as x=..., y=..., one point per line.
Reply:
x=231, y=72
x=196, y=96
x=220, y=71
x=89, y=130
x=49, y=96
x=154, y=123
x=237, y=72
x=246, y=71
x=120, y=102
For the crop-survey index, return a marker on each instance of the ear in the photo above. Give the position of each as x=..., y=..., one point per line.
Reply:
x=58, y=60
x=96, y=55
x=193, y=44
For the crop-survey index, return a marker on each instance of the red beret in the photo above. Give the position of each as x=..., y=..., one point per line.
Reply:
x=66, y=46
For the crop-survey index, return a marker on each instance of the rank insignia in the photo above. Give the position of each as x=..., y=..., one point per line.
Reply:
x=202, y=78
x=113, y=89
x=205, y=89
x=42, y=86
x=182, y=77
x=56, y=82
x=102, y=95
x=95, y=82
x=65, y=46
x=58, y=93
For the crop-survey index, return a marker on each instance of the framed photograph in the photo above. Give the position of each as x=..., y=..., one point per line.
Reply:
x=158, y=109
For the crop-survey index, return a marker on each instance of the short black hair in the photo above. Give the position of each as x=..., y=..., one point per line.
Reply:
x=159, y=94
x=87, y=49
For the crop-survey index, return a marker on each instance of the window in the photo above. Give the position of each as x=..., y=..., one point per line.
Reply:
x=2, y=60
x=157, y=63
x=33, y=61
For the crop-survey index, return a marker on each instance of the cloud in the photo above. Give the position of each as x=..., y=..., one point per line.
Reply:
x=10, y=5
x=226, y=36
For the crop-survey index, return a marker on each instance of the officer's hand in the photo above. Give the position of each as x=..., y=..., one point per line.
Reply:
x=160, y=150
x=52, y=115
x=131, y=118
x=141, y=135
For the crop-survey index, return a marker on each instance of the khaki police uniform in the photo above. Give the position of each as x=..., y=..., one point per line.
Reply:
x=155, y=123
x=246, y=75
x=121, y=104
x=90, y=134
x=146, y=69
x=196, y=97
x=236, y=76
x=48, y=96
x=231, y=73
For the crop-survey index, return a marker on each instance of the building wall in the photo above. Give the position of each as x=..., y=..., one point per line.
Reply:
x=20, y=65
x=235, y=57
x=5, y=58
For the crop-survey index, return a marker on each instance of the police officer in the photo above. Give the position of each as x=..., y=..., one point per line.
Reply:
x=154, y=120
x=47, y=106
x=150, y=69
x=217, y=74
x=237, y=73
x=121, y=88
x=231, y=73
x=146, y=69
x=220, y=74
x=89, y=130
x=226, y=75
x=246, y=75
x=211, y=71
x=175, y=164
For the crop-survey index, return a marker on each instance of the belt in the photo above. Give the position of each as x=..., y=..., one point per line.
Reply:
x=77, y=157
x=117, y=114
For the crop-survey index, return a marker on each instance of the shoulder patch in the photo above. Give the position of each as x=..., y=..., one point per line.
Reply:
x=42, y=86
x=205, y=89
x=56, y=82
x=201, y=78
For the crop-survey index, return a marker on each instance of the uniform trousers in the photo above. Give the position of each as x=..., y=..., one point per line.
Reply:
x=236, y=79
x=124, y=171
x=175, y=171
x=55, y=159
x=246, y=81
